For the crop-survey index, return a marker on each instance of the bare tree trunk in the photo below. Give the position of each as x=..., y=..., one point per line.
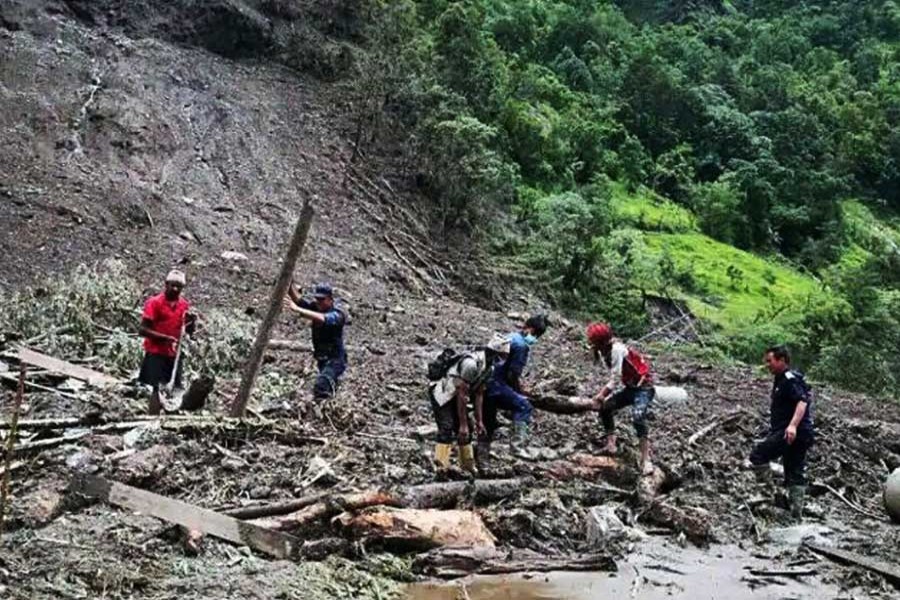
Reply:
x=298, y=240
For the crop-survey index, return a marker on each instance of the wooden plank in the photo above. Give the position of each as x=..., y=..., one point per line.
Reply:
x=43, y=388
x=889, y=572
x=192, y=517
x=66, y=368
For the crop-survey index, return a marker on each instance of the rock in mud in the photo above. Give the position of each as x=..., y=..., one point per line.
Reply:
x=42, y=507
x=797, y=534
x=602, y=525
x=235, y=256
x=892, y=495
x=146, y=465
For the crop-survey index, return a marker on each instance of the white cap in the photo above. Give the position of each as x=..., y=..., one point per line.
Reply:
x=176, y=276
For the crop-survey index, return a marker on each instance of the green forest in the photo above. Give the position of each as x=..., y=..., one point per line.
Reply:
x=741, y=156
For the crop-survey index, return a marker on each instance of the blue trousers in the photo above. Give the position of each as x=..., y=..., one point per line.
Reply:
x=500, y=396
x=639, y=399
x=330, y=371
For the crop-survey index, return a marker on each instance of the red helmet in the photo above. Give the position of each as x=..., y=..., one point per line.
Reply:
x=599, y=334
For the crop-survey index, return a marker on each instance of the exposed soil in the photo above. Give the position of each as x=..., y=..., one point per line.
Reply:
x=128, y=134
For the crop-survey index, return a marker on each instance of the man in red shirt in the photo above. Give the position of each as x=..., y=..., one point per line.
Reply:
x=164, y=318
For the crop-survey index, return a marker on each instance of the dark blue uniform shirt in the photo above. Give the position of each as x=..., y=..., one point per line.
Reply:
x=788, y=389
x=327, y=337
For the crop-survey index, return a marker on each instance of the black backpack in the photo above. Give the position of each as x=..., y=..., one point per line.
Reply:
x=438, y=368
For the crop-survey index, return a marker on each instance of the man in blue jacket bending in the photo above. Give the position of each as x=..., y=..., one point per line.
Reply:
x=506, y=391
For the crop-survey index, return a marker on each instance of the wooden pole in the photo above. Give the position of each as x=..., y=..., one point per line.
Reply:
x=265, y=329
x=4, y=488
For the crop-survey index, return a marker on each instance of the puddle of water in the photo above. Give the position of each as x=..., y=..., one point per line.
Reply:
x=658, y=570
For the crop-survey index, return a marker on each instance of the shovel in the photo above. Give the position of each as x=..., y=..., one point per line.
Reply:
x=168, y=394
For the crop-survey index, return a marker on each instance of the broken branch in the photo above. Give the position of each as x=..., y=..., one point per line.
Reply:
x=714, y=425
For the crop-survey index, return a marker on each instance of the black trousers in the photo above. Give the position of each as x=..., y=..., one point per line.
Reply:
x=793, y=456
x=447, y=419
x=156, y=370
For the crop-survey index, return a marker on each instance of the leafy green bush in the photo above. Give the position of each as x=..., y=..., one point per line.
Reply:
x=69, y=311
x=224, y=343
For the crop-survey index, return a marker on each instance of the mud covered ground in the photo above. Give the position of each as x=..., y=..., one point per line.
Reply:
x=375, y=435
x=138, y=143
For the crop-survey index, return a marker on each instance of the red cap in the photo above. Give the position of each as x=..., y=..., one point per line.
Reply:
x=599, y=334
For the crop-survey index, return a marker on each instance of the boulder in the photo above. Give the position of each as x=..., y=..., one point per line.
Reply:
x=892, y=495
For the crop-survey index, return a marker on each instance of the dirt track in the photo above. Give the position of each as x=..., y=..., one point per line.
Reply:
x=162, y=154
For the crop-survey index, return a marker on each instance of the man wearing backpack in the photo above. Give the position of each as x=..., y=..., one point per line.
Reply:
x=327, y=321
x=627, y=366
x=791, y=428
x=506, y=391
x=455, y=379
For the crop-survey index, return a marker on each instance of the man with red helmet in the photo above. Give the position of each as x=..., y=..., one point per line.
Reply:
x=631, y=369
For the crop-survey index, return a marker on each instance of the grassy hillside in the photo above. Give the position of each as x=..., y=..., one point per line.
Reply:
x=733, y=290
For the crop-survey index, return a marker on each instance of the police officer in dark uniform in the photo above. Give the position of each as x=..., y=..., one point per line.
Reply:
x=791, y=427
x=327, y=320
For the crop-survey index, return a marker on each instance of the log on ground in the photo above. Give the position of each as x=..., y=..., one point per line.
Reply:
x=418, y=529
x=450, y=563
x=695, y=523
x=562, y=405
x=430, y=495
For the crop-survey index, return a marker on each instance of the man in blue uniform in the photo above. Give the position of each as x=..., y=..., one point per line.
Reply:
x=506, y=391
x=791, y=427
x=327, y=322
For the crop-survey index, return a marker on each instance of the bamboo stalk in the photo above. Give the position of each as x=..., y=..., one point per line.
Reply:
x=4, y=489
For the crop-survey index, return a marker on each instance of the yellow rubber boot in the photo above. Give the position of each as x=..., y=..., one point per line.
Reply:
x=467, y=458
x=442, y=456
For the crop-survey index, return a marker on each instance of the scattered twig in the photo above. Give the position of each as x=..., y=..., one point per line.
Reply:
x=715, y=424
x=849, y=502
x=10, y=444
x=42, y=388
x=661, y=329
x=386, y=438
x=783, y=572
x=57, y=542
x=756, y=529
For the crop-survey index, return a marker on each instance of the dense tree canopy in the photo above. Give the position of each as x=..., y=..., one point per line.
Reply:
x=761, y=117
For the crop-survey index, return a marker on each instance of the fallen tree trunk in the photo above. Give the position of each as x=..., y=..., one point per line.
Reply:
x=562, y=405
x=451, y=563
x=45, y=423
x=329, y=507
x=450, y=494
x=418, y=529
x=430, y=495
x=695, y=523
x=582, y=466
